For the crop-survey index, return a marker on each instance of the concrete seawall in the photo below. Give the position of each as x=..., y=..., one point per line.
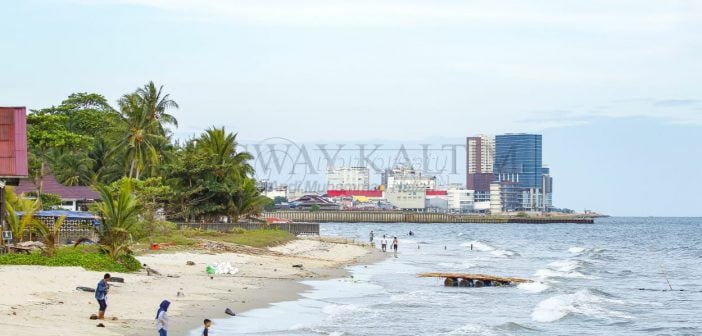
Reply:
x=414, y=217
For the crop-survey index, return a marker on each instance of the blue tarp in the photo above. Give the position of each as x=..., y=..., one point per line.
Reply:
x=69, y=215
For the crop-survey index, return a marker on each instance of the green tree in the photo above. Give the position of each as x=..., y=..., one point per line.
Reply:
x=47, y=132
x=118, y=220
x=157, y=103
x=139, y=135
x=19, y=223
x=49, y=235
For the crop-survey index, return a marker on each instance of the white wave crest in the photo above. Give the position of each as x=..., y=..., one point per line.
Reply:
x=584, y=302
x=576, y=250
x=478, y=246
x=563, y=269
x=533, y=287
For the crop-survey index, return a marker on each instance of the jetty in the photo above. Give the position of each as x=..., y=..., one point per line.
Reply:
x=474, y=280
x=351, y=216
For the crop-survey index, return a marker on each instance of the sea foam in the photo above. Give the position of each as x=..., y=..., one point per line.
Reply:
x=583, y=302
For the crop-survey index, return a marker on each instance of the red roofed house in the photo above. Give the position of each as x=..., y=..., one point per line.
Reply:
x=75, y=198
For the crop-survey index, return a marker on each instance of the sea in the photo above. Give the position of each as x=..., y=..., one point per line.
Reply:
x=618, y=276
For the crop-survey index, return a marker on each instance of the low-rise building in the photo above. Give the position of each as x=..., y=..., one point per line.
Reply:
x=74, y=198
x=407, y=199
x=460, y=200
x=348, y=178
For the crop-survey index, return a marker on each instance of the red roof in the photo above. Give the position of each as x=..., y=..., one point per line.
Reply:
x=436, y=192
x=51, y=186
x=366, y=193
x=13, y=142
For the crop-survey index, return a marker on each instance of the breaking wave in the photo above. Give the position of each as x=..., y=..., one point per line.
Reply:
x=564, y=269
x=483, y=247
x=586, y=302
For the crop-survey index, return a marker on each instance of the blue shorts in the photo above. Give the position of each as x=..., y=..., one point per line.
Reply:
x=162, y=332
x=103, y=305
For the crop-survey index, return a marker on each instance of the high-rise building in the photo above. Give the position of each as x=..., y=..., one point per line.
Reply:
x=518, y=159
x=524, y=184
x=348, y=178
x=480, y=151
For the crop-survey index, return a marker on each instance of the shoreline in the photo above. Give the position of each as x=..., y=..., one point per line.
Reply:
x=45, y=301
x=274, y=291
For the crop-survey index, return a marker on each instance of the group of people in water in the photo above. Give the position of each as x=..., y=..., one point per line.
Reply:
x=161, y=320
x=384, y=241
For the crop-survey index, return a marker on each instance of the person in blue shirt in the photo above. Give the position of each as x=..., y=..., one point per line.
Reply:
x=101, y=295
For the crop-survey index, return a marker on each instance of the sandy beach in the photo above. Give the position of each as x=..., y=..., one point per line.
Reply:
x=39, y=300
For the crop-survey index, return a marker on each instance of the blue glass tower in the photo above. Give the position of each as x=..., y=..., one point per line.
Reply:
x=518, y=160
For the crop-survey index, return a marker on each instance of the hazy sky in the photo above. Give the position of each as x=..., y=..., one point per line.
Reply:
x=614, y=86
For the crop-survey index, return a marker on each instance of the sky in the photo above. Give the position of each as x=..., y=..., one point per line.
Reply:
x=614, y=86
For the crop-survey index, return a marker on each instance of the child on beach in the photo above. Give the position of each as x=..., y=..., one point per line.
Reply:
x=162, y=318
x=384, y=244
x=101, y=295
x=206, y=331
x=394, y=244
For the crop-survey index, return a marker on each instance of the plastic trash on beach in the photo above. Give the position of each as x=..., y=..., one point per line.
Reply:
x=221, y=268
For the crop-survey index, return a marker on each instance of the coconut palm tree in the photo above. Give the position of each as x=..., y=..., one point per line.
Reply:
x=119, y=218
x=222, y=147
x=50, y=235
x=156, y=103
x=247, y=201
x=139, y=135
x=20, y=223
x=71, y=168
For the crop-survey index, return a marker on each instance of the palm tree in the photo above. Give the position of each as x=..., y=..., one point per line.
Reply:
x=20, y=223
x=50, y=235
x=71, y=168
x=247, y=201
x=157, y=103
x=139, y=135
x=119, y=218
x=222, y=146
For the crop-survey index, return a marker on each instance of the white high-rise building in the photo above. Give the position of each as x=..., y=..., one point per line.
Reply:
x=481, y=154
x=348, y=178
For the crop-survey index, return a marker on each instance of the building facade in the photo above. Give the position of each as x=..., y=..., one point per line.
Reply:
x=407, y=178
x=521, y=180
x=348, y=178
x=460, y=200
x=407, y=199
x=480, y=159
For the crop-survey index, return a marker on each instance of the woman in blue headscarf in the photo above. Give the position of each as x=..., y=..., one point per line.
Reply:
x=162, y=318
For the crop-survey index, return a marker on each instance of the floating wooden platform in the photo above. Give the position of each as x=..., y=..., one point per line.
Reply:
x=474, y=280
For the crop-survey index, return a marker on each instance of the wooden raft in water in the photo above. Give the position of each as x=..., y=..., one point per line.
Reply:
x=474, y=280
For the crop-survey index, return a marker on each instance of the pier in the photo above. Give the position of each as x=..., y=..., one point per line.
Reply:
x=415, y=217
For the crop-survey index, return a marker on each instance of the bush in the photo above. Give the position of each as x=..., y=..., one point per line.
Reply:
x=84, y=256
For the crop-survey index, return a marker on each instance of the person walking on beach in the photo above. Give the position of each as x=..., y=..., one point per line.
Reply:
x=162, y=318
x=206, y=331
x=384, y=244
x=371, y=236
x=394, y=244
x=101, y=295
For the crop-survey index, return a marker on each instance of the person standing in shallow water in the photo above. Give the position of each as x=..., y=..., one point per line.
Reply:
x=394, y=244
x=162, y=318
x=384, y=244
x=371, y=236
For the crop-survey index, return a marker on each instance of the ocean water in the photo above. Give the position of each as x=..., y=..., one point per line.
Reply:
x=607, y=278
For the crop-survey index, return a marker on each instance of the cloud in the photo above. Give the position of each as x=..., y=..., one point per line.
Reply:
x=678, y=111
x=597, y=15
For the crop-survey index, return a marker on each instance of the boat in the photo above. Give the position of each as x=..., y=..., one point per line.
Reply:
x=474, y=280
